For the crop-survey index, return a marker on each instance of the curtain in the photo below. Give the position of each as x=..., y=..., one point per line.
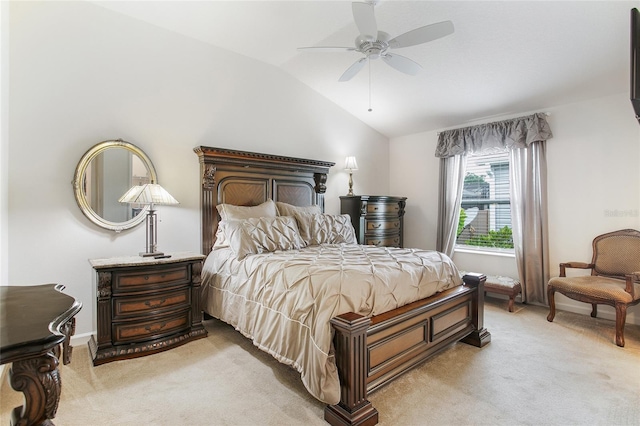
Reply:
x=451, y=181
x=528, y=180
x=525, y=139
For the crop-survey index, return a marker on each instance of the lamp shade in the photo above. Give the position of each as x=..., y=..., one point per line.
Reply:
x=150, y=193
x=350, y=163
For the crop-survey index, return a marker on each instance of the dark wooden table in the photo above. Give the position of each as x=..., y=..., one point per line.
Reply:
x=35, y=321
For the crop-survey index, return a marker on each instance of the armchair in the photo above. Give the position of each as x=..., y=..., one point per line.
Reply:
x=614, y=279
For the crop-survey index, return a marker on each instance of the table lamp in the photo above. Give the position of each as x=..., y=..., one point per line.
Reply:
x=149, y=194
x=350, y=165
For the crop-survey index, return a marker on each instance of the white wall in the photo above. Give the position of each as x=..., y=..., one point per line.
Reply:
x=4, y=141
x=593, y=186
x=81, y=74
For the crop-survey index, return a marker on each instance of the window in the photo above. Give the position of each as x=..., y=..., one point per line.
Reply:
x=485, y=215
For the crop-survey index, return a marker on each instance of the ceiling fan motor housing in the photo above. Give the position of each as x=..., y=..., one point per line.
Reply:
x=371, y=48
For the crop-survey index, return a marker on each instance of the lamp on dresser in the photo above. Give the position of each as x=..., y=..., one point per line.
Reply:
x=350, y=165
x=149, y=194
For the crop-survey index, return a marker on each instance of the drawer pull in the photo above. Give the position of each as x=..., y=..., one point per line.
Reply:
x=396, y=224
x=146, y=277
x=375, y=208
x=376, y=225
x=155, y=327
x=376, y=243
x=155, y=305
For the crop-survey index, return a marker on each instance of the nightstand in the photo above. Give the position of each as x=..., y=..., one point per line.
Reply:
x=146, y=305
x=377, y=219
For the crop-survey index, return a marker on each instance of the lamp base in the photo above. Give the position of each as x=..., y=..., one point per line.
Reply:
x=154, y=254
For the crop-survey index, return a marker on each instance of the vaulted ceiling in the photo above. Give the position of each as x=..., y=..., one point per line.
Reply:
x=504, y=58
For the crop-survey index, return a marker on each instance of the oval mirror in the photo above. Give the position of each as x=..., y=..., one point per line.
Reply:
x=105, y=172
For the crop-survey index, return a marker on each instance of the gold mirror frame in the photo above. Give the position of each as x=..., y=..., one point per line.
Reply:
x=78, y=179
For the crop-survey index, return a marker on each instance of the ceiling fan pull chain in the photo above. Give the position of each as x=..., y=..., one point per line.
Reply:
x=369, y=60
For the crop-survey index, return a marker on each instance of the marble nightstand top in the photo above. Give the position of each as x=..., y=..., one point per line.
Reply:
x=124, y=261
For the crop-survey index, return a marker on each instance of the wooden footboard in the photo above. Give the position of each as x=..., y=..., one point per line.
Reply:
x=371, y=352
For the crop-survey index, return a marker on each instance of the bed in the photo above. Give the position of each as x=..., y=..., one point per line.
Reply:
x=360, y=329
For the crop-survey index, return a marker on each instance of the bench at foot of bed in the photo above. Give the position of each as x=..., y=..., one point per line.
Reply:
x=371, y=352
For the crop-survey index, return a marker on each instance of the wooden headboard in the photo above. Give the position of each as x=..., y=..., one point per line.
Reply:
x=248, y=179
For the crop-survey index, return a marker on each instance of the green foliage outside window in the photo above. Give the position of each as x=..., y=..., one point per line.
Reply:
x=502, y=238
x=463, y=217
x=473, y=178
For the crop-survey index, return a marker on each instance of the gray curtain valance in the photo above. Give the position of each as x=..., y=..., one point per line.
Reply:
x=494, y=137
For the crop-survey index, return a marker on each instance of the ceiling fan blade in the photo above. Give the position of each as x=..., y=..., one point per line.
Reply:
x=365, y=19
x=328, y=49
x=422, y=35
x=353, y=70
x=402, y=63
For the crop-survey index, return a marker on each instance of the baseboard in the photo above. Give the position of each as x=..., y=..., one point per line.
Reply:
x=80, y=339
x=565, y=304
x=604, y=311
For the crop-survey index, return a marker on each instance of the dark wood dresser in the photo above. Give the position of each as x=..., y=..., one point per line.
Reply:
x=146, y=305
x=377, y=219
x=36, y=320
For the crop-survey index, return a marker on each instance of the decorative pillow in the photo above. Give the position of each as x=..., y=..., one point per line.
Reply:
x=230, y=212
x=260, y=235
x=221, y=239
x=285, y=209
x=326, y=229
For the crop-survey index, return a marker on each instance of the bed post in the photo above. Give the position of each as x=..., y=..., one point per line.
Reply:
x=481, y=336
x=351, y=359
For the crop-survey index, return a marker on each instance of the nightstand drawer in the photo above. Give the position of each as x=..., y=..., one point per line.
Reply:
x=142, y=280
x=378, y=207
x=125, y=307
x=388, y=241
x=382, y=225
x=139, y=331
x=146, y=305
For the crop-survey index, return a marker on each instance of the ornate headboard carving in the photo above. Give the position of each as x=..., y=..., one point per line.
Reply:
x=248, y=179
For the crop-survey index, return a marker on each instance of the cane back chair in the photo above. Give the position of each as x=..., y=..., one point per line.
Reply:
x=614, y=279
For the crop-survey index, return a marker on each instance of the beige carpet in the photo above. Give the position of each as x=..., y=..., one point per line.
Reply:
x=568, y=372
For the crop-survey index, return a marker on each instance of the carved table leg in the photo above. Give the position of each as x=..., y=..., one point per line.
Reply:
x=68, y=329
x=39, y=380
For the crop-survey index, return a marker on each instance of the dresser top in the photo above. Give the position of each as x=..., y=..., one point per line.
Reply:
x=125, y=261
x=31, y=319
x=373, y=197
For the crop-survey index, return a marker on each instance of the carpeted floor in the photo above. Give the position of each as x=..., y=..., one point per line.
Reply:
x=568, y=372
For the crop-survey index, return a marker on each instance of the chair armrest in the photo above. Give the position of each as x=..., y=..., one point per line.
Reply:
x=578, y=265
x=631, y=278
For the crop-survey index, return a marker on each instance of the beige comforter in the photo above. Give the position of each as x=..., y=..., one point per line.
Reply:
x=284, y=300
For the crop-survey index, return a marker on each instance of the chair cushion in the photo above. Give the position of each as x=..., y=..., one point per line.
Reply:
x=595, y=286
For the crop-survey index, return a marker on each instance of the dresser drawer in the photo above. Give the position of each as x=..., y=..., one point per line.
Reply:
x=379, y=207
x=389, y=240
x=138, y=280
x=139, y=331
x=382, y=225
x=126, y=307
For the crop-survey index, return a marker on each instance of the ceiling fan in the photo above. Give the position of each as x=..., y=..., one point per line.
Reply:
x=376, y=44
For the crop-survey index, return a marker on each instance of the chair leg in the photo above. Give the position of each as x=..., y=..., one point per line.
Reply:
x=594, y=310
x=621, y=318
x=552, y=303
